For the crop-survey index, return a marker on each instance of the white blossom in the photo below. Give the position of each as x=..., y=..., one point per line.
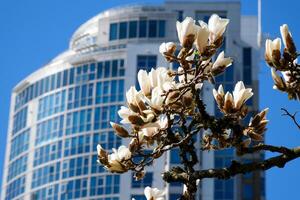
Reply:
x=279, y=83
x=284, y=30
x=241, y=94
x=116, y=158
x=131, y=95
x=187, y=31
x=154, y=194
x=144, y=82
x=217, y=27
x=124, y=113
x=202, y=36
x=158, y=77
x=221, y=62
x=157, y=99
x=272, y=45
x=167, y=47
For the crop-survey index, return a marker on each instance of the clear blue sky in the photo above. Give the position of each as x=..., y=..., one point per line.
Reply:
x=32, y=32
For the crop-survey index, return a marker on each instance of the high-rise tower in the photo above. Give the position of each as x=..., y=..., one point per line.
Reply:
x=62, y=111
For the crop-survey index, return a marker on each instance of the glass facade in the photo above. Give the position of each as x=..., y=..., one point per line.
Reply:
x=74, y=108
x=142, y=28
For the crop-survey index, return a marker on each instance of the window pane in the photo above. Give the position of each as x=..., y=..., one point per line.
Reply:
x=162, y=28
x=123, y=30
x=152, y=28
x=247, y=56
x=113, y=31
x=133, y=29
x=142, y=28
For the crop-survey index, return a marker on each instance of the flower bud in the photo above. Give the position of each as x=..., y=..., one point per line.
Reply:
x=187, y=32
x=120, y=131
x=287, y=39
x=167, y=50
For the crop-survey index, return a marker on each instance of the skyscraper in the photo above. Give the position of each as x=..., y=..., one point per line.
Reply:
x=62, y=111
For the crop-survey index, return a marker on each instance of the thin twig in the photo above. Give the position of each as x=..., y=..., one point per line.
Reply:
x=292, y=116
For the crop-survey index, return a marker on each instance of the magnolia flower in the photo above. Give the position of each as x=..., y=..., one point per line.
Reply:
x=220, y=64
x=124, y=113
x=115, y=160
x=120, y=131
x=217, y=27
x=130, y=95
x=257, y=126
x=187, y=31
x=144, y=82
x=287, y=38
x=234, y=102
x=167, y=48
x=159, y=76
x=157, y=99
x=202, y=37
x=241, y=94
x=279, y=82
x=154, y=194
x=272, y=52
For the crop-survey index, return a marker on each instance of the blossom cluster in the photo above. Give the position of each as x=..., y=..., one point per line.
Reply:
x=285, y=62
x=166, y=99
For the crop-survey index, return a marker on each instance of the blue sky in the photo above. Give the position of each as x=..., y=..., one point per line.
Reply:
x=32, y=32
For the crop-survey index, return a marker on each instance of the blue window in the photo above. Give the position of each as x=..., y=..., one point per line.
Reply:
x=49, y=193
x=77, y=145
x=174, y=196
x=20, y=120
x=162, y=28
x=229, y=74
x=152, y=28
x=133, y=29
x=51, y=104
x=47, y=153
x=71, y=76
x=15, y=188
x=52, y=82
x=247, y=62
x=46, y=174
x=247, y=56
x=247, y=192
x=49, y=129
x=58, y=80
x=107, y=140
x=75, y=167
x=123, y=30
x=107, y=69
x=20, y=144
x=142, y=28
x=146, y=62
x=99, y=70
x=104, y=185
x=17, y=167
x=180, y=15
x=74, y=189
x=96, y=168
x=65, y=77
x=113, y=31
x=79, y=121
x=175, y=158
x=114, y=68
x=146, y=181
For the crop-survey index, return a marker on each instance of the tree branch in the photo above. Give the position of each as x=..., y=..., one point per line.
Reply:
x=236, y=168
x=292, y=116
